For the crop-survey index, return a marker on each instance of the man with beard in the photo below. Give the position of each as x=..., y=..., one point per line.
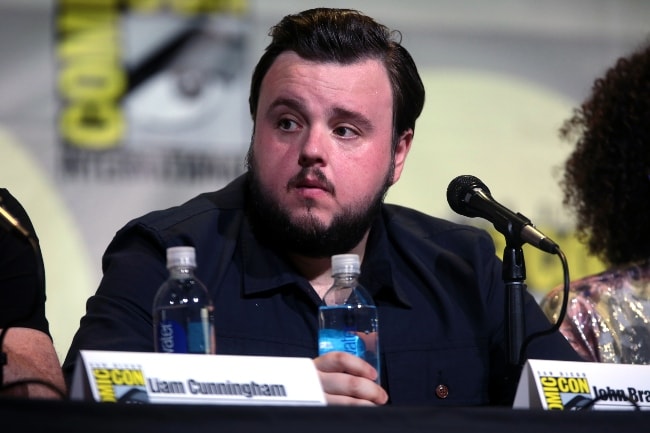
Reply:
x=334, y=100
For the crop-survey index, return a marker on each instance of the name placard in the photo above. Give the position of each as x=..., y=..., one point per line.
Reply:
x=144, y=377
x=564, y=385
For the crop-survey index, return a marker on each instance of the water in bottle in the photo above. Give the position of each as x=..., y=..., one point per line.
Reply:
x=348, y=320
x=182, y=310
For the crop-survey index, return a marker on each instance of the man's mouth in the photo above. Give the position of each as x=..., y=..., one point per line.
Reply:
x=312, y=180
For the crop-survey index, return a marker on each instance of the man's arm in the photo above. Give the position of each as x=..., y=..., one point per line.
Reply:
x=31, y=358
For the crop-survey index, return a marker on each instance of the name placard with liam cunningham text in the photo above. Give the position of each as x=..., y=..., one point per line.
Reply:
x=145, y=377
x=565, y=385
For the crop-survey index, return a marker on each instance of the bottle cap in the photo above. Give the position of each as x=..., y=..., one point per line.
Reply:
x=345, y=263
x=181, y=256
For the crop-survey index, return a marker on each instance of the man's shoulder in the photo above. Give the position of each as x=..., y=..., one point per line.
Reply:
x=421, y=233
x=409, y=221
x=207, y=205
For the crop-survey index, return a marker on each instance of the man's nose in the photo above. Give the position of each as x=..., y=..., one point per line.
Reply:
x=313, y=148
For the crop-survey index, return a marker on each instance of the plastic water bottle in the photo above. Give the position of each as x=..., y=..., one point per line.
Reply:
x=182, y=309
x=348, y=321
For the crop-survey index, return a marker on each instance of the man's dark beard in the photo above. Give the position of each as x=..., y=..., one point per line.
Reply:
x=308, y=237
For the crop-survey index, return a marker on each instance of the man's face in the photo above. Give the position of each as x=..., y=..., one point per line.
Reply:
x=320, y=157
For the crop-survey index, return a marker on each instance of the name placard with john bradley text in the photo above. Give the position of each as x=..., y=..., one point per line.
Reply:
x=564, y=385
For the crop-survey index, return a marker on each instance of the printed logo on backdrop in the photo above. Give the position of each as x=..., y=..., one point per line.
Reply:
x=152, y=89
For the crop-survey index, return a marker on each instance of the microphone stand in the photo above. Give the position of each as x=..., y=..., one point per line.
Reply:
x=514, y=275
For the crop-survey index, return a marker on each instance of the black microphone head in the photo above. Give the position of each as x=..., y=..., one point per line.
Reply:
x=458, y=191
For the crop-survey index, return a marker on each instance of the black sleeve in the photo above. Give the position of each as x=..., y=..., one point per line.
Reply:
x=118, y=315
x=22, y=272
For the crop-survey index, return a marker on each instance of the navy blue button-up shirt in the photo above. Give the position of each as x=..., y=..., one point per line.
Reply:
x=437, y=285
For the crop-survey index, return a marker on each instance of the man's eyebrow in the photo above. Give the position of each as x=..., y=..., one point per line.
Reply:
x=292, y=103
x=355, y=117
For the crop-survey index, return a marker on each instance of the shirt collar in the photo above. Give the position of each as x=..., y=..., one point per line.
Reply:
x=377, y=269
x=264, y=269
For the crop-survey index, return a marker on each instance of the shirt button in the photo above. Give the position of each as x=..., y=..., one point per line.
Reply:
x=442, y=391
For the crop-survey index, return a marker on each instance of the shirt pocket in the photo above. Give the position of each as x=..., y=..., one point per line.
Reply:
x=448, y=375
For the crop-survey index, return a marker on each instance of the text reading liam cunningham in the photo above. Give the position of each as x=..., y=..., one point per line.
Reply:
x=194, y=387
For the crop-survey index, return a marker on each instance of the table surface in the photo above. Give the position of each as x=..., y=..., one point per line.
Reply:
x=80, y=416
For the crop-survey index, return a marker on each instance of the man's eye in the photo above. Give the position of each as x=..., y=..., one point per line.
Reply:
x=345, y=132
x=287, y=124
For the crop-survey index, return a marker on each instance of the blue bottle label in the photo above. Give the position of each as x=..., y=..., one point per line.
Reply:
x=197, y=337
x=330, y=340
x=171, y=337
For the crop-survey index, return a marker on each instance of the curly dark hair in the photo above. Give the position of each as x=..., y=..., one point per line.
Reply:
x=607, y=177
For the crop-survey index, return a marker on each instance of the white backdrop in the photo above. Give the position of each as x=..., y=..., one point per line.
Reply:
x=500, y=77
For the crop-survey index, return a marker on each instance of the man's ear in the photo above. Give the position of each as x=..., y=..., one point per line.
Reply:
x=401, y=151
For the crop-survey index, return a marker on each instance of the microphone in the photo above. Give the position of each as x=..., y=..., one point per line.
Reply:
x=470, y=197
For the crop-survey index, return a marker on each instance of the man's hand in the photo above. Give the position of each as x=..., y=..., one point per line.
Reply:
x=349, y=380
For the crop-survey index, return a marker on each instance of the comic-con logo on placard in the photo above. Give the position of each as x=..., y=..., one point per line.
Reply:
x=120, y=385
x=565, y=392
